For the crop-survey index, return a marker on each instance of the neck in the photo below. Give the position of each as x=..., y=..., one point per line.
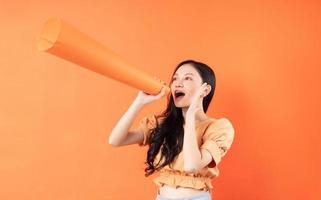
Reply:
x=199, y=115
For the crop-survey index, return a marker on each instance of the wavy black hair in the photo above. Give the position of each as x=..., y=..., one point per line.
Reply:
x=168, y=136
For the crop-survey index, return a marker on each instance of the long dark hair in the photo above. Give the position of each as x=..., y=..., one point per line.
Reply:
x=168, y=136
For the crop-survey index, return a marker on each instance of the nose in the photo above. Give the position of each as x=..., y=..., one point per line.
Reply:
x=178, y=84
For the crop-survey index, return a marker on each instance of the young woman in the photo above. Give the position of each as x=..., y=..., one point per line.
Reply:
x=185, y=145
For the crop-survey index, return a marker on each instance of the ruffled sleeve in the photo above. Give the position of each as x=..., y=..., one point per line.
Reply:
x=147, y=124
x=217, y=139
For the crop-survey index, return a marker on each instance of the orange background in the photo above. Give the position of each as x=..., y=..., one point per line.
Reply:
x=55, y=117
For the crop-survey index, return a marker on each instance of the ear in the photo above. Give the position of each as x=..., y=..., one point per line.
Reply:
x=207, y=90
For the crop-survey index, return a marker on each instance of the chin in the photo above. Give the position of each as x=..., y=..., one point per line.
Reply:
x=178, y=105
x=181, y=105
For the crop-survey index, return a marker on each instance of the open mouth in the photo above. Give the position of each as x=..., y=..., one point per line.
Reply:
x=179, y=95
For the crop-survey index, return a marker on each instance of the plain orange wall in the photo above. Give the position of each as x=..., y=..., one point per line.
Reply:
x=55, y=117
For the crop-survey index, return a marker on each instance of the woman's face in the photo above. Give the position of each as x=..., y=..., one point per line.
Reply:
x=185, y=82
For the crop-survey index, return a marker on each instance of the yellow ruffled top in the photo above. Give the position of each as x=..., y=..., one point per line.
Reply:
x=176, y=179
x=213, y=135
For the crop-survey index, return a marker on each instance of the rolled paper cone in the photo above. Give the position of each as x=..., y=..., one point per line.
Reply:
x=65, y=41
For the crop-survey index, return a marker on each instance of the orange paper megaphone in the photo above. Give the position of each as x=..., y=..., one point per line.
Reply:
x=63, y=40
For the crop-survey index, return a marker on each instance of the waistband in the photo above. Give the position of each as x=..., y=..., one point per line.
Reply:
x=194, y=196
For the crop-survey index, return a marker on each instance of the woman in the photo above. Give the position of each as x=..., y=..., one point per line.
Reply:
x=185, y=145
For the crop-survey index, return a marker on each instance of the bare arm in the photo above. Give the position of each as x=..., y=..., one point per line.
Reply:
x=194, y=158
x=121, y=135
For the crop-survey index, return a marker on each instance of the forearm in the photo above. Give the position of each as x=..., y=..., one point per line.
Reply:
x=191, y=152
x=120, y=131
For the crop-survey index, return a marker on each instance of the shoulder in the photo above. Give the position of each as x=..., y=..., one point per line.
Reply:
x=225, y=122
x=220, y=125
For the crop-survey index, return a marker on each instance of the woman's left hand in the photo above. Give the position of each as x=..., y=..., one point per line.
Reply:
x=197, y=100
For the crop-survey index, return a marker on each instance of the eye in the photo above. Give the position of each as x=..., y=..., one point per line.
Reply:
x=188, y=78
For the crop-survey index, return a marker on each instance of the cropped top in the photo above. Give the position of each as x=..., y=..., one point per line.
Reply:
x=214, y=135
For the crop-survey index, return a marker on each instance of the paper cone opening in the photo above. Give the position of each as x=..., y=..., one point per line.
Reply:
x=49, y=34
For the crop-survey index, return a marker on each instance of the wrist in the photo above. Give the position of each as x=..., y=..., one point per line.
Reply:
x=190, y=115
x=138, y=104
x=190, y=118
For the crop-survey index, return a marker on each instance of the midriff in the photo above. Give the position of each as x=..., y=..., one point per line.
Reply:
x=179, y=192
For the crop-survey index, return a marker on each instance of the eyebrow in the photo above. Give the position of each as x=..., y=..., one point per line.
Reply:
x=188, y=73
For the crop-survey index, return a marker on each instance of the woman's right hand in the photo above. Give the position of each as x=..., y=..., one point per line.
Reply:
x=145, y=98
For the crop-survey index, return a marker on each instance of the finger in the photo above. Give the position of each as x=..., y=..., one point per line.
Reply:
x=161, y=93
x=162, y=90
